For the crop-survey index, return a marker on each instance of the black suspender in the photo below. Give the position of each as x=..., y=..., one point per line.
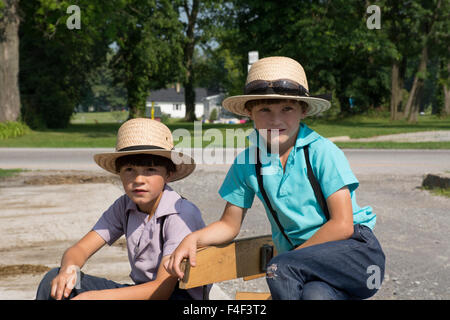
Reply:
x=315, y=185
x=266, y=199
x=312, y=180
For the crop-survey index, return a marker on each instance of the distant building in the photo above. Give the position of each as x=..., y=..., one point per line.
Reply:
x=171, y=101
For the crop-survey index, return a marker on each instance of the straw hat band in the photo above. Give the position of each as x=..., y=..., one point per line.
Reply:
x=280, y=86
x=143, y=147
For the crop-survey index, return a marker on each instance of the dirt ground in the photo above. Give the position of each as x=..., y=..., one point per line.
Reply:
x=42, y=213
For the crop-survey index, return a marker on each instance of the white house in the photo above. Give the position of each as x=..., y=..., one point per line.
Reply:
x=171, y=101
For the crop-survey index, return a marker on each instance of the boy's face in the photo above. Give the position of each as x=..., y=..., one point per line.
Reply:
x=284, y=116
x=143, y=185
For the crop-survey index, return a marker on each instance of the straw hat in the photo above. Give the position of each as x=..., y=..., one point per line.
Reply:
x=276, y=68
x=146, y=136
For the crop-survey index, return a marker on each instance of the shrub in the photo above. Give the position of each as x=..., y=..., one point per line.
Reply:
x=213, y=115
x=10, y=129
x=165, y=117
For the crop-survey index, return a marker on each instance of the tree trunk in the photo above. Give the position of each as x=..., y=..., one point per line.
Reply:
x=345, y=105
x=189, y=88
x=414, y=115
x=396, y=90
x=189, y=99
x=420, y=75
x=446, y=100
x=419, y=80
x=9, y=62
x=136, y=100
x=417, y=83
x=446, y=88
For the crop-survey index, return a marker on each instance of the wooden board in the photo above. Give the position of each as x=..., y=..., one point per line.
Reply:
x=240, y=258
x=253, y=296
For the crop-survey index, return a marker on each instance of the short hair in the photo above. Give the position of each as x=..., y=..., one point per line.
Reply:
x=144, y=160
x=252, y=103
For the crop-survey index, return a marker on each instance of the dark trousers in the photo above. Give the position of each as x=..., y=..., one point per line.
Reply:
x=336, y=270
x=88, y=283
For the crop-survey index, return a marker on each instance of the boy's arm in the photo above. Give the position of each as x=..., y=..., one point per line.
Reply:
x=76, y=255
x=159, y=289
x=222, y=231
x=340, y=224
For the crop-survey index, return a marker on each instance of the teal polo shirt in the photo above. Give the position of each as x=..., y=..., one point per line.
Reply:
x=290, y=192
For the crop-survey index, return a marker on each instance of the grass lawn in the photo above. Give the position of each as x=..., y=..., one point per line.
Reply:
x=5, y=173
x=75, y=136
x=89, y=130
x=99, y=117
x=365, y=127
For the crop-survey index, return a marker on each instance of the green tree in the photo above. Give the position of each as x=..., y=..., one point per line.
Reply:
x=55, y=59
x=198, y=18
x=444, y=81
x=100, y=90
x=149, y=54
x=219, y=70
x=191, y=11
x=430, y=17
x=329, y=38
x=440, y=51
x=399, y=25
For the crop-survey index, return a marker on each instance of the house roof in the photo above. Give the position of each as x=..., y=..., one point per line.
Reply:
x=171, y=95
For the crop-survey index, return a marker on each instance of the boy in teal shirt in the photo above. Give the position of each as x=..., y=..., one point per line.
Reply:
x=324, y=239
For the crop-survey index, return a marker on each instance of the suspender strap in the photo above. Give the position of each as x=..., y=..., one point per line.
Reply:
x=315, y=185
x=161, y=237
x=266, y=199
x=312, y=180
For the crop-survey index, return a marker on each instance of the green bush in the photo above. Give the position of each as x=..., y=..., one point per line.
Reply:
x=213, y=115
x=165, y=117
x=56, y=109
x=10, y=129
x=31, y=117
x=51, y=110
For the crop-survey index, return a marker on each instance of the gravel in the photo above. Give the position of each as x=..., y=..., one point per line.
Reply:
x=39, y=222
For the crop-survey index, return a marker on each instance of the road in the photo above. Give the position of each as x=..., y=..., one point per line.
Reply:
x=362, y=161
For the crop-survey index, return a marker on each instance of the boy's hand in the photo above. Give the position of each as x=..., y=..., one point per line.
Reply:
x=64, y=282
x=186, y=249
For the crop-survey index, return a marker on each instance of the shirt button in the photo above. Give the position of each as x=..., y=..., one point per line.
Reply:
x=136, y=250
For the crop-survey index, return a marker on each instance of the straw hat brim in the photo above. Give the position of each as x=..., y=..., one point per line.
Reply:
x=184, y=164
x=236, y=104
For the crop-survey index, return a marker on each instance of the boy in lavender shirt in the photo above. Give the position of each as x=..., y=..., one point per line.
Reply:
x=152, y=216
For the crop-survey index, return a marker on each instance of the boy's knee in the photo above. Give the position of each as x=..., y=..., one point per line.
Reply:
x=272, y=267
x=45, y=286
x=279, y=267
x=317, y=290
x=50, y=275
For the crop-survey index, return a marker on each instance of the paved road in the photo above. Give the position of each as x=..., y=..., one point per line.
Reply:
x=362, y=160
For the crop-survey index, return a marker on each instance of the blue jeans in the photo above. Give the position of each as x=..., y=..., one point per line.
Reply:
x=336, y=270
x=88, y=283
